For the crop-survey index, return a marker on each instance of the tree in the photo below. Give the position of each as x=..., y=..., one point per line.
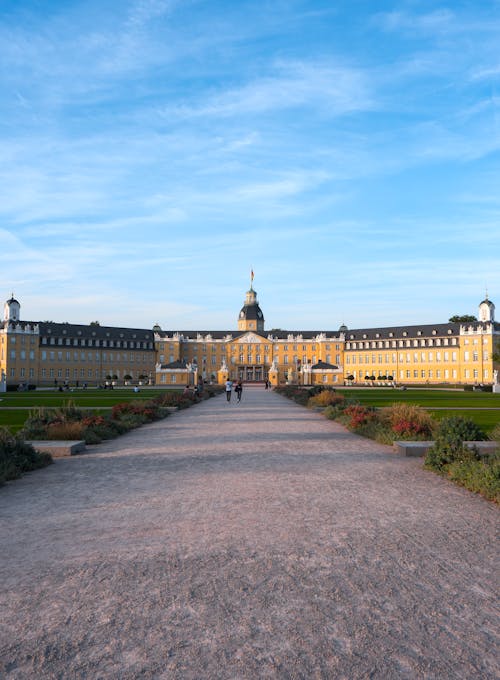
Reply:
x=462, y=318
x=94, y=323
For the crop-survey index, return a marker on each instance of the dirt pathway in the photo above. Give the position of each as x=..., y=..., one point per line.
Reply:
x=252, y=540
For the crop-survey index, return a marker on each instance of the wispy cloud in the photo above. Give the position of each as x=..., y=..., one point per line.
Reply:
x=335, y=90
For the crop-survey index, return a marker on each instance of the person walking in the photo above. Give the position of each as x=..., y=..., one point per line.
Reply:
x=238, y=389
x=229, y=388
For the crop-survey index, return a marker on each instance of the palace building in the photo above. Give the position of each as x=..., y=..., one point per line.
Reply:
x=43, y=353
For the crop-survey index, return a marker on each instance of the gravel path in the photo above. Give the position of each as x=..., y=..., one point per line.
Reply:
x=252, y=540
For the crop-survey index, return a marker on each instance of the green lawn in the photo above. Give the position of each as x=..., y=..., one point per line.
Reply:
x=484, y=418
x=426, y=398
x=13, y=419
x=90, y=397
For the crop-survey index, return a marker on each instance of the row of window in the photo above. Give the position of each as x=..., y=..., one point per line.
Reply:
x=89, y=342
x=66, y=373
x=422, y=342
x=104, y=357
x=430, y=374
x=423, y=357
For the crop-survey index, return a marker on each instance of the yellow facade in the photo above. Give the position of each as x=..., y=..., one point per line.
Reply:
x=45, y=354
x=450, y=353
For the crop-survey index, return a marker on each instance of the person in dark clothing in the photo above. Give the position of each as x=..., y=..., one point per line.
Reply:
x=238, y=389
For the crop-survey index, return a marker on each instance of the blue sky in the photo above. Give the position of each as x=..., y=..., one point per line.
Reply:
x=152, y=152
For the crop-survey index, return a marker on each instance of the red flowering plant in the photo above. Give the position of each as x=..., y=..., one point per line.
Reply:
x=409, y=421
x=358, y=415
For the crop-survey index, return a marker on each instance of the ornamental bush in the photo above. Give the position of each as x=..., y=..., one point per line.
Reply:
x=16, y=456
x=449, y=443
x=356, y=415
x=326, y=398
x=65, y=431
x=409, y=421
x=479, y=476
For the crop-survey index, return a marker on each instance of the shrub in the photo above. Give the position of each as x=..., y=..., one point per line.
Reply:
x=333, y=412
x=377, y=430
x=409, y=421
x=326, y=398
x=65, y=431
x=131, y=421
x=449, y=445
x=16, y=457
x=149, y=410
x=495, y=434
x=479, y=476
x=357, y=415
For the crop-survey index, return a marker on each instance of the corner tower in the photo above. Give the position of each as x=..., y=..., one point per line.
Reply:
x=11, y=309
x=486, y=310
x=250, y=317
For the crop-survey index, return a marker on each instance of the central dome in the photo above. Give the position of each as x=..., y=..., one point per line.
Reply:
x=251, y=317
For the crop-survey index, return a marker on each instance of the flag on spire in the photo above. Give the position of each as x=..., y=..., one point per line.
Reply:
x=251, y=276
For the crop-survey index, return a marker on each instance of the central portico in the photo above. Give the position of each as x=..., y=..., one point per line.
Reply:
x=251, y=355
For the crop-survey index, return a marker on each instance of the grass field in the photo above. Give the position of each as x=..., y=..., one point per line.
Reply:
x=426, y=398
x=88, y=398
x=484, y=418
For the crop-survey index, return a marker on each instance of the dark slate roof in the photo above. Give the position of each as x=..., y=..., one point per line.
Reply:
x=323, y=366
x=424, y=330
x=69, y=330
x=252, y=312
x=357, y=333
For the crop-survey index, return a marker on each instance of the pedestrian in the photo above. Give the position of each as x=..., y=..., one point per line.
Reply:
x=229, y=388
x=267, y=384
x=238, y=389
